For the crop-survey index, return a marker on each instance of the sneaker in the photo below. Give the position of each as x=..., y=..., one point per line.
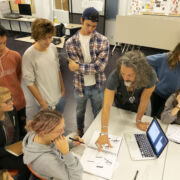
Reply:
x=80, y=132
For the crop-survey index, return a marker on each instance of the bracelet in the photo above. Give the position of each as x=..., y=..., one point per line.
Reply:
x=103, y=133
x=104, y=127
x=138, y=120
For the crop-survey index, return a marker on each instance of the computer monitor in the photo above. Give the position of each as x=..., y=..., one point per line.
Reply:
x=25, y=9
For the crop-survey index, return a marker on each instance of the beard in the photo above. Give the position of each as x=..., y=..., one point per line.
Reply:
x=127, y=83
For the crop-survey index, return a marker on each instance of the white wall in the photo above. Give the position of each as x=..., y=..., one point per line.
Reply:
x=43, y=9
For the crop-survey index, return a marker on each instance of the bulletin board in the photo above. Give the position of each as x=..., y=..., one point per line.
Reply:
x=15, y=6
x=62, y=4
x=156, y=7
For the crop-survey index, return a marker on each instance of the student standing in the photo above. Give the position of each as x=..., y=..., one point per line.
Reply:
x=167, y=67
x=88, y=53
x=41, y=69
x=11, y=76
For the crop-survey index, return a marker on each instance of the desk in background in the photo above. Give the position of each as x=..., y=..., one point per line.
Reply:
x=162, y=32
x=122, y=121
x=19, y=24
x=30, y=40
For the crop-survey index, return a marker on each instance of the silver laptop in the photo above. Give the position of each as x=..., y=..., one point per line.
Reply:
x=147, y=146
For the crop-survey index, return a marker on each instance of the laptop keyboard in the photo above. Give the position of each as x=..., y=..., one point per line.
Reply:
x=144, y=145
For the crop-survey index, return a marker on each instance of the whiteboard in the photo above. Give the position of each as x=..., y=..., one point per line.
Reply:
x=78, y=6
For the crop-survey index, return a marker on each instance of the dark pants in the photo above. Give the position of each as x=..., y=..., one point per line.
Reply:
x=157, y=105
x=13, y=162
x=22, y=121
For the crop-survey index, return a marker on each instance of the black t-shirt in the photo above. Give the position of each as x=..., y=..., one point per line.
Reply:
x=121, y=99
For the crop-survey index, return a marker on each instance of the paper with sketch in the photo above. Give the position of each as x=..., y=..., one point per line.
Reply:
x=173, y=132
x=102, y=163
x=114, y=140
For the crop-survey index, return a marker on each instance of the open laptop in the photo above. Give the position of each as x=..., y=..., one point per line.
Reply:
x=147, y=146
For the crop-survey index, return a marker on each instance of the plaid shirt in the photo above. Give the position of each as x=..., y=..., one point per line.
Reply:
x=99, y=51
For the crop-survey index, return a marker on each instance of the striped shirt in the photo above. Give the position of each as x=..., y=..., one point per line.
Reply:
x=99, y=51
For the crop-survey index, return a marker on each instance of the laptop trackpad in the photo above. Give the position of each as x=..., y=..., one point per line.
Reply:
x=133, y=147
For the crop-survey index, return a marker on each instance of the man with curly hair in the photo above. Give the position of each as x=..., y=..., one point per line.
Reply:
x=41, y=69
x=130, y=87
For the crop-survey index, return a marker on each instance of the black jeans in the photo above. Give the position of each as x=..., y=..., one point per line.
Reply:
x=13, y=162
x=157, y=105
x=21, y=114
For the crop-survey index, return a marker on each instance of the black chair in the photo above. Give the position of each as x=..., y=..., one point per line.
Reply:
x=60, y=30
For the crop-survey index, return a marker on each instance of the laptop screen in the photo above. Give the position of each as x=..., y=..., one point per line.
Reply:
x=156, y=137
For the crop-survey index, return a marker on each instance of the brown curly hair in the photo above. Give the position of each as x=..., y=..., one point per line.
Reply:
x=173, y=56
x=41, y=27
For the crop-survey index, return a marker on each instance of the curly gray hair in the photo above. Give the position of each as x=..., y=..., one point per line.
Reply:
x=138, y=61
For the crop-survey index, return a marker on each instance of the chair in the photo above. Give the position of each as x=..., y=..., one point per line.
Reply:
x=13, y=172
x=35, y=176
x=60, y=30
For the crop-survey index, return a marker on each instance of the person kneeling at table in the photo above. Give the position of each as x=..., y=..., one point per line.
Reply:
x=129, y=86
x=46, y=150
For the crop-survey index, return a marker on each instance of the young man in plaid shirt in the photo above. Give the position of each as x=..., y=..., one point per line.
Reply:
x=88, y=53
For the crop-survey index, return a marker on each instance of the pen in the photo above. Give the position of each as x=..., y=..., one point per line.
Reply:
x=136, y=175
x=75, y=140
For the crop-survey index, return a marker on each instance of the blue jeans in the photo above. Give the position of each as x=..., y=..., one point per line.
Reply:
x=60, y=105
x=95, y=95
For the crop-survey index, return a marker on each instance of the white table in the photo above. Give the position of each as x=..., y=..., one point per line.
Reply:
x=171, y=170
x=122, y=121
x=30, y=40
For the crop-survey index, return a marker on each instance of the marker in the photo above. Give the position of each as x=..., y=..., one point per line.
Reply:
x=136, y=175
x=76, y=140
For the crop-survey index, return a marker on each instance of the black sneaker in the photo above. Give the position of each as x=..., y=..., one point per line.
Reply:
x=80, y=132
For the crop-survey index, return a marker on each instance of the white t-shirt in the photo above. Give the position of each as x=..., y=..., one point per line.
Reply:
x=89, y=80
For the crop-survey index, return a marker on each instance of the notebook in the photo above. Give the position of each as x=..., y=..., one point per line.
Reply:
x=173, y=132
x=15, y=149
x=102, y=163
x=147, y=146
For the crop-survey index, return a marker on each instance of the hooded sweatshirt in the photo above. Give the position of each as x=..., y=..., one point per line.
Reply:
x=46, y=161
x=11, y=75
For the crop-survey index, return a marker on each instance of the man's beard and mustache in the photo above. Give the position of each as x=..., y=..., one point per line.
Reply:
x=128, y=83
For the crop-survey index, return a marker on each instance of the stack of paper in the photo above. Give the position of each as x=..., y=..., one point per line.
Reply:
x=101, y=163
x=173, y=132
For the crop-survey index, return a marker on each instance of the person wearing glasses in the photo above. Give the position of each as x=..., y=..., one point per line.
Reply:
x=9, y=134
x=88, y=53
x=11, y=76
x=46, y=150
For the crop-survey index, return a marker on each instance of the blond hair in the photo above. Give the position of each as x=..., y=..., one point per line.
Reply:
x=3, y=91
x=44, y=122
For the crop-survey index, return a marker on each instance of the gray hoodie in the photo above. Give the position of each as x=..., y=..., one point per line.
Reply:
x=47, y=162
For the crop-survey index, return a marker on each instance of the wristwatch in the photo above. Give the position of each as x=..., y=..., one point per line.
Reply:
x=103, y=133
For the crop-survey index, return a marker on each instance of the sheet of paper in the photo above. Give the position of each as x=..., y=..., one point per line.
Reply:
x=173, y=132
x=98, y=163
x=114, y=140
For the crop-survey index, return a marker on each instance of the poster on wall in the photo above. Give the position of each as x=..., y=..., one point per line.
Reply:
x=157, y=7
x=17, y=1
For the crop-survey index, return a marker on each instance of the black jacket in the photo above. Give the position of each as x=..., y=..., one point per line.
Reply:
x=14, y=120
